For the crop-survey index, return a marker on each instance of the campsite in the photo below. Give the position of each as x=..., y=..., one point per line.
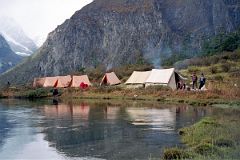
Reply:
x=119, y=80
x=115, y=92
x=155, y=77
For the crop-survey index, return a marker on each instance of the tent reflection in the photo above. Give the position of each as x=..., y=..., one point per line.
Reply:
x=111, y=112
x=157, y=119
x=64, y=111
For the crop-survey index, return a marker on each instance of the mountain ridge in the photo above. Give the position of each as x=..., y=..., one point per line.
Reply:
x=8, y=58
x=114, y=33
x=19, y=42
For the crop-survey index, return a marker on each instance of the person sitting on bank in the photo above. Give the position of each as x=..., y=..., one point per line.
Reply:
x=194, y=80
x=181, y=85
x=202, y=81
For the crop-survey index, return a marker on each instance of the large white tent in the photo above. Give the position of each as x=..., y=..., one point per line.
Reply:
x=164, y=77
x=137, y=79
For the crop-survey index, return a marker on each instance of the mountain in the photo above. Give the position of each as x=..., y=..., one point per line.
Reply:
x=20, y=43
x=8, y=58
x=117, y=32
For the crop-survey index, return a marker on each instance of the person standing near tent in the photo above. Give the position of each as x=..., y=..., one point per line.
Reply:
x=202, y=81
x=55, y=92
x=194, y=80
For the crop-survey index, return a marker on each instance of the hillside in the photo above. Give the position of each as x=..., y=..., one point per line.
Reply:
x=114, y=33
x=8, y=58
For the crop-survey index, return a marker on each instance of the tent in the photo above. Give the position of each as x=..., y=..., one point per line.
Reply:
x=64, y=81
x=38, y=82
x=167, y=77
x=137, y=79
x=110, y=79
x=50, y=82
x=78, y=81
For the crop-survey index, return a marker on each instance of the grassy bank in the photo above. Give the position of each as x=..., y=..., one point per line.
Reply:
x=158, y=94
x=215, y=137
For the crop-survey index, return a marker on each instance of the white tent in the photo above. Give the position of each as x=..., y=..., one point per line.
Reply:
x=137, y=79
x=164, y=77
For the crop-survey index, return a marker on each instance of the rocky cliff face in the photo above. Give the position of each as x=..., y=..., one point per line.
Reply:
x=116, y=32
x=8, y=58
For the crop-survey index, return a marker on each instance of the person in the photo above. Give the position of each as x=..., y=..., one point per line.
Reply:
x=202, y=81
x=194, y=80
x=181, y=85
x=55, y=92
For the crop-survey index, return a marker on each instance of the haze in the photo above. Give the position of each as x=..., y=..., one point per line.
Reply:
x=39, y=17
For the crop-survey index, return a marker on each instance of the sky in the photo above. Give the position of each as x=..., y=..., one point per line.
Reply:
x=39, y=17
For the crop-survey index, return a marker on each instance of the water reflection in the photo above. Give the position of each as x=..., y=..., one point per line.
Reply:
x=113, y=132
x=93, y=130
x=158, y=119
x=5, y=126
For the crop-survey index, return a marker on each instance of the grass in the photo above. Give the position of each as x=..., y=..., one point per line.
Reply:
x=158, y=94
x=215, y=137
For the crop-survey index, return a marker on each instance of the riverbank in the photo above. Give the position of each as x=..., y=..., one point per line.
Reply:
x=215, y=137
x=157, y=94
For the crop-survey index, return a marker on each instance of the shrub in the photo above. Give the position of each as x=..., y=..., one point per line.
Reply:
x=38, y=93
x=235, y=74
x=175, y=153
x=205, y=149
x=226, y=67
x=193, y=69
x=222, y=142
x=95, y=74
x=107, y=89
x=222, y=42
x=218, y=78
x=213, y=69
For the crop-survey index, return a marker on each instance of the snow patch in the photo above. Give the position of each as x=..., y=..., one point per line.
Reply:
x=10, y=39
x=22, y=54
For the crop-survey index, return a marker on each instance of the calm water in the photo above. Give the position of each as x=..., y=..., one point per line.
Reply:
x=91, y=130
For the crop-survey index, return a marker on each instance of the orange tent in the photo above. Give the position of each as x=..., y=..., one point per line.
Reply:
x=110, y=79
x=78, y=80
x=50, y=82
x=63, y=81
x=38, y=82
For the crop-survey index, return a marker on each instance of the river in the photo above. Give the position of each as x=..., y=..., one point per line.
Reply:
x=89, y=130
